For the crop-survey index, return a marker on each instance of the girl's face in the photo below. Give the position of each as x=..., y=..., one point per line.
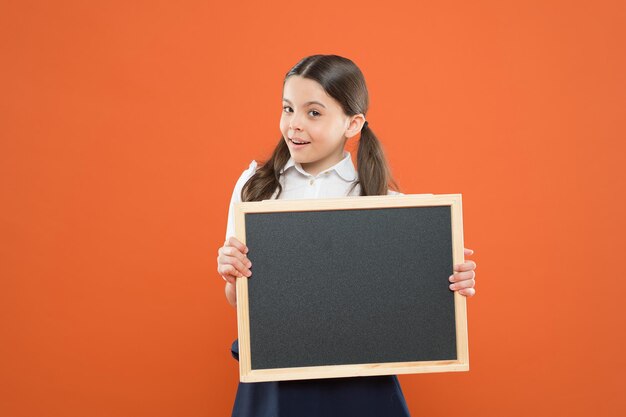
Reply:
x=310, y=115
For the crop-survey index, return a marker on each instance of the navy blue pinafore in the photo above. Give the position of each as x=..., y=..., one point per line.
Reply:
x=368, y=396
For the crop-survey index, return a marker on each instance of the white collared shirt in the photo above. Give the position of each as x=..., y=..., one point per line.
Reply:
x=335, y=181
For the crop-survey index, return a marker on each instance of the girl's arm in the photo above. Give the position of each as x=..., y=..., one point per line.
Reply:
x=230, y=289
x=231, y=294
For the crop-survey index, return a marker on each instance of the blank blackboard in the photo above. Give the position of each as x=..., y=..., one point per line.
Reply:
x=350, y=286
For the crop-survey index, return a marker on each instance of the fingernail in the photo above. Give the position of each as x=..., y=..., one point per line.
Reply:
x=249, y=273
x=451, y=286
x=451, y=277
x=249, y=264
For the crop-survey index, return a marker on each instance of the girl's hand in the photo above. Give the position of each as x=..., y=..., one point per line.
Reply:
x=464, y=280
x=232, y=262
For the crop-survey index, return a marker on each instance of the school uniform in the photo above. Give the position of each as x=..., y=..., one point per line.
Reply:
x=369, y=396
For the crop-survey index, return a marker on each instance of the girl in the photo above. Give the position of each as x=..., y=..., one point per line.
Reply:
x=325, y=101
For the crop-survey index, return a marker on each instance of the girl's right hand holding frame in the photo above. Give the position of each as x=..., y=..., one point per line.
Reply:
x=232, y=261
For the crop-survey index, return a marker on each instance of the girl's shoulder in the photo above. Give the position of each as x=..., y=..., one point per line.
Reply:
x=252, y=167
x=248, y=172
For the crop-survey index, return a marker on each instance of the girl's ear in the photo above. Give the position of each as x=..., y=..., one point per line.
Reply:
x=356, y=123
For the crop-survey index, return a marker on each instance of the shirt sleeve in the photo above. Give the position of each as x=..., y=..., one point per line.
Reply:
x=236, y=197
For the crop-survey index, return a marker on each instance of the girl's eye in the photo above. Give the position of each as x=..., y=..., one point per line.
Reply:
x=315, y=112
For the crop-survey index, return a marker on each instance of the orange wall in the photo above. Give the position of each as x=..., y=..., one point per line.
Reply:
x=124, y=126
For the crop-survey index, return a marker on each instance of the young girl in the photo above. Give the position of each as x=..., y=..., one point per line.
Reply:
x=325, y=101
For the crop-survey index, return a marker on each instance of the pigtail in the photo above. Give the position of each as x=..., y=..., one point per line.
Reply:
x=374, y=174
x=265, y=181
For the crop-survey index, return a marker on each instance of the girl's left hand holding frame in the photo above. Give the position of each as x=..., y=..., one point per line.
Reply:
x=464, y=278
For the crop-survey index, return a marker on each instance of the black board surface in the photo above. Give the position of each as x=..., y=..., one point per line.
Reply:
x=338, y=287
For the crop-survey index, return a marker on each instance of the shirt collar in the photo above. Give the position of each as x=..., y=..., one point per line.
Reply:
x=345, y=167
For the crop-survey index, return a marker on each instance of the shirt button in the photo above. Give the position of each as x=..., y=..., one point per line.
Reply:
x=311, y=182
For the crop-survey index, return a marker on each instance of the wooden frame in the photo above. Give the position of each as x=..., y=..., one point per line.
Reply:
x=247, y=374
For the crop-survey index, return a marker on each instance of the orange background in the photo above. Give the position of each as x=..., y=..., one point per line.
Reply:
x=124, y=126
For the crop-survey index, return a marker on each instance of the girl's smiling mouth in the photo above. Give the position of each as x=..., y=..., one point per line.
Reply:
x=298, y=143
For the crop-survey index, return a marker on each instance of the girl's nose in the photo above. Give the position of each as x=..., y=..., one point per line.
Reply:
x=295, y=124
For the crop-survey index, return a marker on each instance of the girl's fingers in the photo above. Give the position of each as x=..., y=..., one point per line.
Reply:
x=468, y=292
x=230, y=273
x=467, y=251
x=459, y=285
x=461, y=276
x=231, y=262
x=229, y=277
x=233, y=241
x=231, y=251
x=240, y=267
x=465, y=266
x=235, y=253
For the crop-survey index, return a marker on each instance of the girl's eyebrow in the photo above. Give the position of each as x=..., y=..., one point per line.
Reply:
x=307, y=103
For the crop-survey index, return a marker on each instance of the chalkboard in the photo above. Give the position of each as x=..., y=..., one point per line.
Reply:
x=350, y=286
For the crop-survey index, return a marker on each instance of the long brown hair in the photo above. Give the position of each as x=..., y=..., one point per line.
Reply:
x=344, y=81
